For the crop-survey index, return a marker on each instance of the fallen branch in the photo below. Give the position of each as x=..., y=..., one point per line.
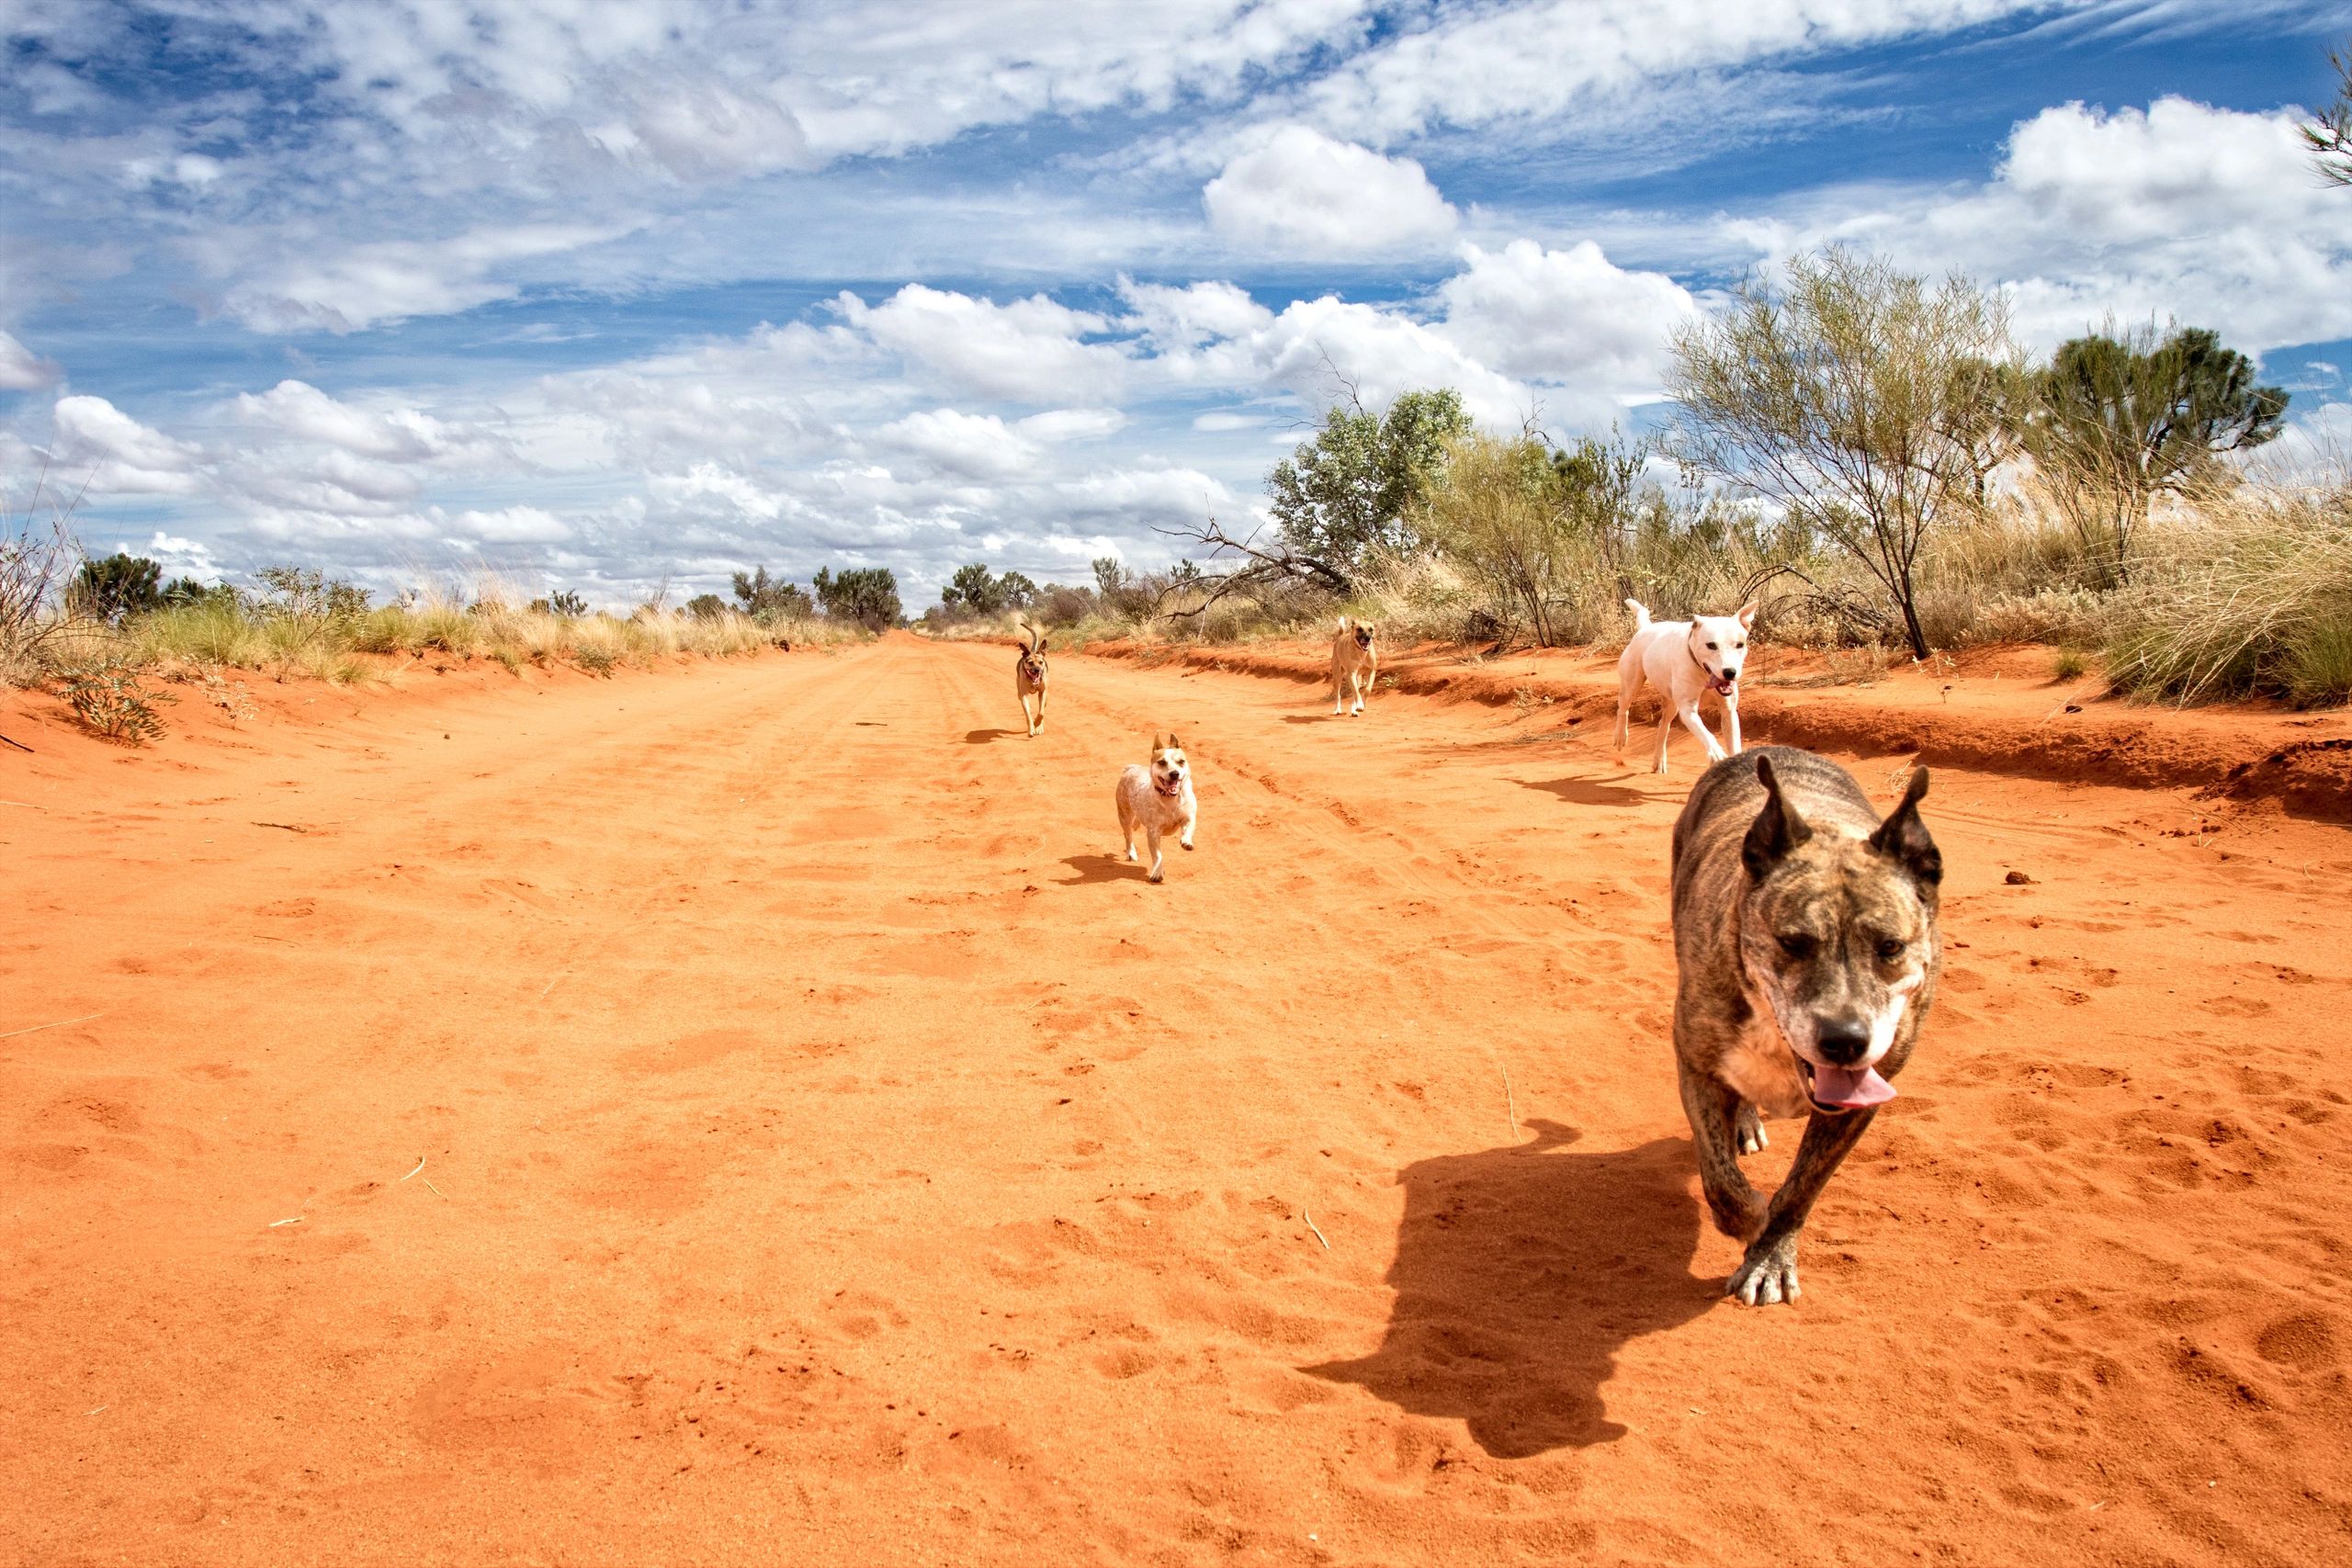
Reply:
x=1316, y=1228
x=61, y=1023
x=19, y=745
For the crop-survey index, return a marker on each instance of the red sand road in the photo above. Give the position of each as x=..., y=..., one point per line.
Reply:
x=836, y=1157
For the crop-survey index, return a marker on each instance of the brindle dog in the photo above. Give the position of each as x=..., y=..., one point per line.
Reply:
x=1804, y=933
x=1029, y=676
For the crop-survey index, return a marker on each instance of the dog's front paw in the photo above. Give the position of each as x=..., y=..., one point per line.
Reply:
x=1764, y=1279
x=1751, y=1134
x=1184, y=844
x=1155, y=876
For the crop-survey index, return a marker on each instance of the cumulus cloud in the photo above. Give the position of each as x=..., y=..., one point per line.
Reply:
x=120, y=456
x=1568, y=316
x=2181, y=210
x=22, y=370
x=1303, y=193
x=1033, y=350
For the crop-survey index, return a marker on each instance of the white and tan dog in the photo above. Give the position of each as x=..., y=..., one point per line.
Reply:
x=1355, y=663
x=1683, y=661
x=1157, y=797
x=1029, y=676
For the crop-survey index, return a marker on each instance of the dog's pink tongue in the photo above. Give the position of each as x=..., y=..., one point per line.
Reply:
x=1844, y=1085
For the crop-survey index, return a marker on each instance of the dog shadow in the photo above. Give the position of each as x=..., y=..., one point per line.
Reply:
x=1092, y=869
x=1519, y=1273
x=982, y=737
x=1590, y=792
x=1311, y=717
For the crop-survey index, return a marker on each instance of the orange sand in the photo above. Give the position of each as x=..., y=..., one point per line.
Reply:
x=835, y=1156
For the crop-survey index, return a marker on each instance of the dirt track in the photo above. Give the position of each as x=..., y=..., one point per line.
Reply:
x=836, y=1155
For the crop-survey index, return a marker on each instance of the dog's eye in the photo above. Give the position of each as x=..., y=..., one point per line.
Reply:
x=1890, y=948
x=1797, y=945
x=1711, y=645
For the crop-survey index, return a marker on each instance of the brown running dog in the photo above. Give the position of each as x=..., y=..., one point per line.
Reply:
x=1355, y=662
x=1806, y=952
x=1029, y=676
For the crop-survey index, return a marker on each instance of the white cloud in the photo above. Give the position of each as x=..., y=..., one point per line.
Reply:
x=22, y=370
x=2181, y=210
x=1300, y=193
x=976, y=447
x=511, y=524
x=120, y=456
x=1031, y=351
x=323, y=286
x=1570, y=317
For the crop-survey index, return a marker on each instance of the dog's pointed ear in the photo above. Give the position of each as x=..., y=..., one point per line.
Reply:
x=1777, y=828
x=1161, y=742
x=1747, y=614
x=1905, y=837
x=1174, y=744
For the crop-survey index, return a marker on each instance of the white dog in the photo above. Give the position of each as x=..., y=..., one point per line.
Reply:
x=1157, y=797
x=1684, y=660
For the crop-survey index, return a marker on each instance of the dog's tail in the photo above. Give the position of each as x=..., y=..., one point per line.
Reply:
x=1641, y=615
x=1343, y=623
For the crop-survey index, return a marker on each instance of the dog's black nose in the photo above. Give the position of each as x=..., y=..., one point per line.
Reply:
x=1843, y=1044
x=1731, y=671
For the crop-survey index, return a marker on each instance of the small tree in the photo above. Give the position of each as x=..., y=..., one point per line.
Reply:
x=705, y=606
x=764, y=598
x=1347, y=493
x=866, y=594
x=1018, y=591
x=1853, y=397
x=973, y=589
x=567, y=603
x=111, y=587
x=2114, y=422
x=2329, y=135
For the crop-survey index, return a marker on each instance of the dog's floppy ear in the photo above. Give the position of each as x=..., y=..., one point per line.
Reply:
x=1747, y=614
x=1905, y=837
x=1777, y=828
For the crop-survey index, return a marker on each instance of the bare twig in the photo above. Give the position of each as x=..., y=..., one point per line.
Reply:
x=549, y=987
x=19, y=745
x=420, y=1166
x=61, y=1023
x=1316, y=1228
x=1510, y=1101
x=436, y=1191
x=295, y=1221
x=289, y=826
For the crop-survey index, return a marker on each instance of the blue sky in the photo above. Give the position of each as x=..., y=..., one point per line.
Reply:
x=601, y=296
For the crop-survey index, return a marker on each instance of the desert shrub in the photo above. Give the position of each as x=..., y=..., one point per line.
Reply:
x=111, y=701
x=2251, y=596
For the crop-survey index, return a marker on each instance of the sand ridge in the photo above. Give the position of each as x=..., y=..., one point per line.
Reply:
x=837, y=1154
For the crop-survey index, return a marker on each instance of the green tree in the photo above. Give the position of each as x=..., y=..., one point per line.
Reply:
x=705, y=606
x=110, y=587
x=764, y=598
x=2112, y=423
x=1019, y=592
x=972, y=587
x=866, y=594
x=2329, y=135
x=1348, y=493
x=1853, y=397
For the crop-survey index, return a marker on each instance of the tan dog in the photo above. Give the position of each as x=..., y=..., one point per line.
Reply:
x=1157, y=798
x=1355, y=663
x=1029, y=676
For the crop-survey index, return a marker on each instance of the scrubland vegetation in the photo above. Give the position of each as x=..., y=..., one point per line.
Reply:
x=114, y=641
x=1865, y=453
